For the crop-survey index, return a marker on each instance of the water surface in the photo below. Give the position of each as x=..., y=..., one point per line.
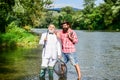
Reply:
x=98, y=53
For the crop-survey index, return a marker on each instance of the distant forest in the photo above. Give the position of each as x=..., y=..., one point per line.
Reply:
x=38, y=14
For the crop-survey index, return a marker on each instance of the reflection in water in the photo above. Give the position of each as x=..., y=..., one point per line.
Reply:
x=98, y=54
x=19, y=64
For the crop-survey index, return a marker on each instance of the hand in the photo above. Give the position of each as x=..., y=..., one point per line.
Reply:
x=58, y=35
x=45, y=39
x=56, y=32
x=70, y=35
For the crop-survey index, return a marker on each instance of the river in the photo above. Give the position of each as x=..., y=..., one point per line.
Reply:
x=98, y=53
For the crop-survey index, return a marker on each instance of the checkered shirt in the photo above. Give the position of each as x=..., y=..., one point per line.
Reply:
x=68, y=46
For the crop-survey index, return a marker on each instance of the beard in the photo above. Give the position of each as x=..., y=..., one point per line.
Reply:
x=65, y=30
x=51, y=31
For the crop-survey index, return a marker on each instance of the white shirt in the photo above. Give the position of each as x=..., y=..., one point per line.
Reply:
x=52, y=47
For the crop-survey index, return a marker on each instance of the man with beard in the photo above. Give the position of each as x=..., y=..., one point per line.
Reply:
x=68, y=39
x=51, y=51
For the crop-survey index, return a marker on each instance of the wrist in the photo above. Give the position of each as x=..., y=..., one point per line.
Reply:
x=71, y=38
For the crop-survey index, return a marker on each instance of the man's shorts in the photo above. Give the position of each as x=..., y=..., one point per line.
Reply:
x=72, y=57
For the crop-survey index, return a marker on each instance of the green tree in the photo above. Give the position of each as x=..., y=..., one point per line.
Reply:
x=88, y=16
x=111, y=14
x=110, y=1
x=5, y=12
x=67, y=14
x=88, y=6
x=23, y=12
x=116, y=15
x=32, y=10
x=67, y=9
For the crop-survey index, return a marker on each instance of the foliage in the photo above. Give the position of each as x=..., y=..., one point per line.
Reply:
x=16, y=36
x=88, y=6
x=24, y=12
x=92, y=17
x=35, y=13
x=5, y=12
x=67, y=9
x=31, y=11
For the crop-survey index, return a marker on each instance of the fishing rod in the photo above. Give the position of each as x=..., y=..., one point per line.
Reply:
x=44, y=46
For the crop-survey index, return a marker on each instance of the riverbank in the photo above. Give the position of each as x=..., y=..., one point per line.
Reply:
x=30, y=41
x=18, y=37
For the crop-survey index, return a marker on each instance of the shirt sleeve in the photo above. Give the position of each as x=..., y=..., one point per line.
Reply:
x=75, y=38
x=59, y=48
x=41, y=41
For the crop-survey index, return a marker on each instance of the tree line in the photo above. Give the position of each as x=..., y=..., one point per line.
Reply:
x=36, y=13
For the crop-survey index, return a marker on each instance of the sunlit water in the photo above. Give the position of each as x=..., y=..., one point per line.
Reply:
x=98, y=54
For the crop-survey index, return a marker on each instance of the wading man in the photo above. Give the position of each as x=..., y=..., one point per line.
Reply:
x=68, y=39
x=51, y=51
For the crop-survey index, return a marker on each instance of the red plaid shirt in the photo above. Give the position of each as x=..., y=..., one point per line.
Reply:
x=68, y=46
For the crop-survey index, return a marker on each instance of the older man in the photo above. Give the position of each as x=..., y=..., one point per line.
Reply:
x=51, y=51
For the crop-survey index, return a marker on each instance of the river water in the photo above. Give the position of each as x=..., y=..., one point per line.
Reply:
x=98, y=54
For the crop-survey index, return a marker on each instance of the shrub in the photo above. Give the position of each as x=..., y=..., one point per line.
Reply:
x=16, y=36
